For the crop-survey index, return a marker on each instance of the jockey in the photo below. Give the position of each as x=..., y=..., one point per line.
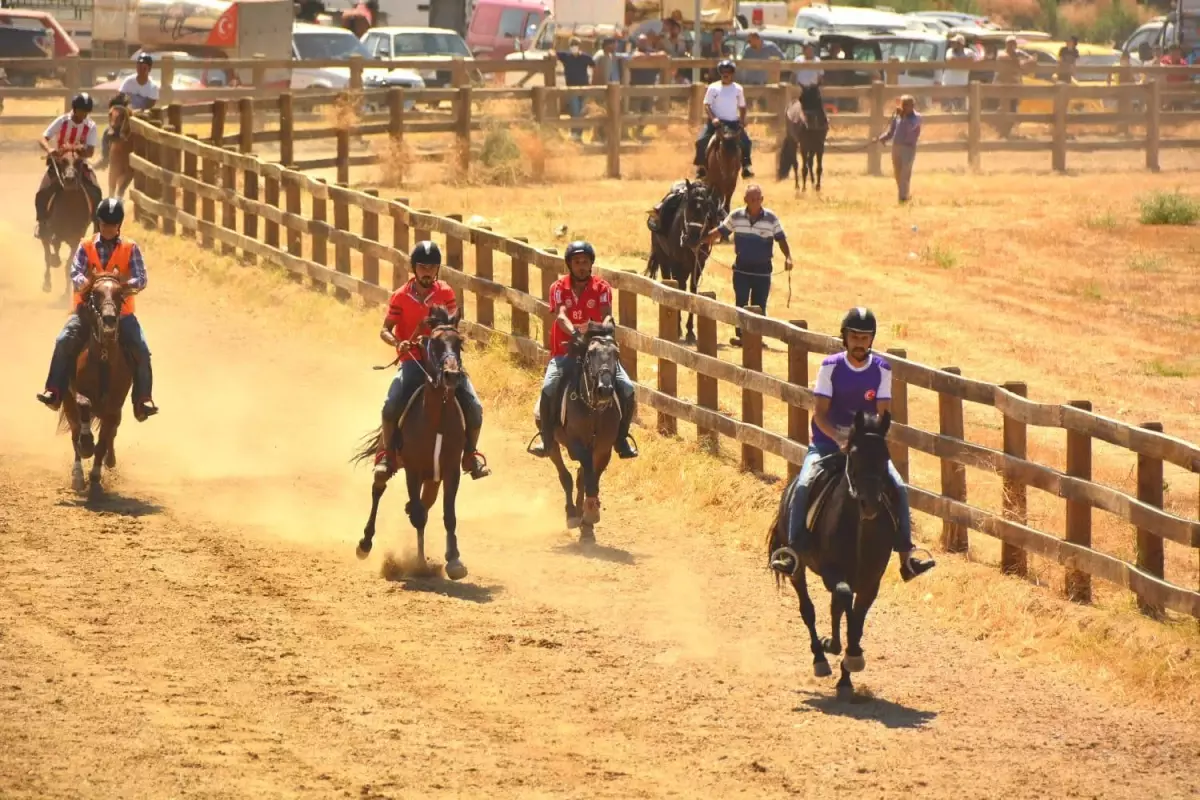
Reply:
x=661, y=215
x=725, y=101
x=106, y=252
x=72, y=131
x=402, y=327
x=576, y=299
x=851, y=381
x=139, y=91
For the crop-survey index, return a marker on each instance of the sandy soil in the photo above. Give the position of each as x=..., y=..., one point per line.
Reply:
x=204, y=630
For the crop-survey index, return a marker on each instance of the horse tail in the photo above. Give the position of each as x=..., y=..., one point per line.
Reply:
x=651, y=268
x=787, y=158
x=368, y=446
x=774, y=538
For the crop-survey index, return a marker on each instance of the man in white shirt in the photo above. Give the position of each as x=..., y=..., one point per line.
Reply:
x=725, y=101
x=807, y=77
x=70, y=132
x=139, y=91
x=957, y=77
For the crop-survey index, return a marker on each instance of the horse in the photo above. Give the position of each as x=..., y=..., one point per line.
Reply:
x=101, y=382
x=592, y=418
x=69, y=215
x=432, y=435
x=120, y=171
x=850, y=544
x=681, y=252
x=723, y=161
x=807, y=127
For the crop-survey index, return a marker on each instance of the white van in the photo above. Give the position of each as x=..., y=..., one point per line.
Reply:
x=851, y=19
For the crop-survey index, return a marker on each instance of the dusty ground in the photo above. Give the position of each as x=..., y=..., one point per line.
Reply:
x=203, y=630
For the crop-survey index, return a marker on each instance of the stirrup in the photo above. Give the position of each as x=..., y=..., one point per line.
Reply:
x=777, y=563
x=906, y=571
x=479, y=468
x=630, y=444
x=50, y=399
x=144, y=409
x=534, y=449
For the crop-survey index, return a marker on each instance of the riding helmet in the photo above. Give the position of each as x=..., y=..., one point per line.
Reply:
x=726, y=64
x=144, y=58
x=427, y=253
x=859, y=319
x=82, y=102
x=577, y=247
x=111, y=211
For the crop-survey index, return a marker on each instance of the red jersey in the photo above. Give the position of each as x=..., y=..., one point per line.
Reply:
x=586, y=307
x=407, y=313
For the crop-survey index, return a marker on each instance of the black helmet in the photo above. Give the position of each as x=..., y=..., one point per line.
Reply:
x=427, y=253
x=859, y=319
x=111, y=211
x=144, y=58
x=82, y=102
x=577, y=247
x=726, y=64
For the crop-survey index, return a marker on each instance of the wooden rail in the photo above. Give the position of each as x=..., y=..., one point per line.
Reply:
x=164, y=190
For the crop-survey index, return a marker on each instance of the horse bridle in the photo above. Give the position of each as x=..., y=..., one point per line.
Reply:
x=96, y=326
x=589, y=391
x=849, y=475
x=436, y=380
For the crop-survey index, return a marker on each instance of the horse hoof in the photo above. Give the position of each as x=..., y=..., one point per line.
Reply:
x=456, y=570
x=821, y=669
x=77, y=482
x=110, y=460
x=831, y=647
x=845, y=693
x=854, y=663
x=587, y=535
x=46, y=286
x=363, y=550
x=87, y=446
x=574, y=522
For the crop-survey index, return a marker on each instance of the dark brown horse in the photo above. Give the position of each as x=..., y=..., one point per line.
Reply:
x=807, y=128
x=69, y=216
x=681, y=252
x=101, y=382
x=593, y=416
x=431, y=436
x=723, y=162
x=850, y=544
x=120, y=171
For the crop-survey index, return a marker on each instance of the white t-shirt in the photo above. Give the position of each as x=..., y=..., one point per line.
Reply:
x=64, y=131
x=807, y=77
x=726, y=102
x=141, y=96
x=955, y=77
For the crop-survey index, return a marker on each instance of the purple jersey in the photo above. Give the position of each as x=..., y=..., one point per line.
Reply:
x=850, y=389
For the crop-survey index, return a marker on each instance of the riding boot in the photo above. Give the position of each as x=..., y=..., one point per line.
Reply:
x=473, y=462
x=747, y=171
x=623, y=446
x=545, y=428
x=143, y=383
x=911, y=566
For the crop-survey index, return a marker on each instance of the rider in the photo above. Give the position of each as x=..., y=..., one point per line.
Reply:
x=139, y=91
x=402, y=327
x=660, y=215
x=106, y=252
x=725, y=101
x=72, y=131
x=848, y=382
x=576, y=299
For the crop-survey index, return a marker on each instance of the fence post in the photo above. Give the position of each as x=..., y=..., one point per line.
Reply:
x=454, y=260
x=696, y=104
x=208, y=206
x=798, y=376
x=1149, y=545
x=752, y=401
x=974, y=123
x=341, y=250
x=370, y=232
x=1058, y=153
x=548, y=278
x=172, y=162
x=876, y=125
x=320, y=239
x=1013, y=560
x=1153, y=120
x=668, y=371
x=707, y=388
x=189, y=194
x=462, y=130
x=400, y=241
x=287, y=129
x=627, y=311
x=271, y=198
x=954, y=476
x=250, y=218
x=1124, y=100
x=396, y=131
x=216, y=136
x=167, y=79
x=1078, y=585
x=520, y=282
x=485, y=309
x=228, y=209
x=246, y=125
x=295, y=238
x=343, y=156
x=898, y=450
x=613, y=133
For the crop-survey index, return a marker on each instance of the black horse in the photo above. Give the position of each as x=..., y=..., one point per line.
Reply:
x=850, y=544
x=593, y=417
x=681, y=252
x=807, y=127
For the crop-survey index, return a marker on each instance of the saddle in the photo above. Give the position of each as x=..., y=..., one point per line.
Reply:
x=397, y=459
x=825, y=477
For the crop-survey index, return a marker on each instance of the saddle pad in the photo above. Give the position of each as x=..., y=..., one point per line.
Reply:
x=824, y=478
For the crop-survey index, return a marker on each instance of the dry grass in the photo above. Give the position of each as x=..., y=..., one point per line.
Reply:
x=1103, y=646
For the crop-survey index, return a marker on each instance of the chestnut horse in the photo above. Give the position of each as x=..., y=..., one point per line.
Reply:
x=120, y=171
x=431, y=436
x=69, y=215
x=101, y=382
x=723, y=158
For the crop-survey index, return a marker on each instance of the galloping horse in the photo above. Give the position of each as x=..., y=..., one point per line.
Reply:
x=853, y=522
x=681, y=252
x=432, y=434
x=101, y=382
x=589, y=430
x=120, y=172
x=69, y=216
x=807, y=127
x=723, y=159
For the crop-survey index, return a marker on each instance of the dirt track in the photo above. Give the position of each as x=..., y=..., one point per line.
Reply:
x=204, y=630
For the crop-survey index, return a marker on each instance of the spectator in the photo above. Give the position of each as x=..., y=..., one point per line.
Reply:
x=677, y=46
x=807, y=77
x=957, y=77
x=904, y=130
x=643, y=77
x=1068, y=57
x=718, y=48
x=1174, y=58
x=575, y=69
x=1008, y=71
x=757, y=49
x=606, y=65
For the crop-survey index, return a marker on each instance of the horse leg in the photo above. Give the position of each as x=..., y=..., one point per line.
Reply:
x=455, y=569
x=86, y=441
x=839, y=604
x=378, y=487
x=591, y=502
x=418, y=515
x=820, y=166
x=50, y=257
x=108, y=432
x=854, y=661
x=564, y=478
x=77, y=468
x=694, y=280
x=809, y=614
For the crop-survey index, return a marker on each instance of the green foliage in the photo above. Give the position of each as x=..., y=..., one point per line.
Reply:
x=1169, y=208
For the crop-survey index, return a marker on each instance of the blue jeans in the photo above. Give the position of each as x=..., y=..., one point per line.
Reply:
x=575, y=110
x=750, y=289
x=798, y=512
x=706, y=134
x=558, y=366
x=73, y=338
x=410, y=377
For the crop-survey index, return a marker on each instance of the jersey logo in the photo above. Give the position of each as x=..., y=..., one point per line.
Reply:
x=569, y=303
x=591, y=303
x=870, y=395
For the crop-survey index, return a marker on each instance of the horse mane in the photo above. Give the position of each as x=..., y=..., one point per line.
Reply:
x=600, y=329
x=439, y=316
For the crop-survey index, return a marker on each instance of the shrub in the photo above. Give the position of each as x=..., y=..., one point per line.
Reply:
x=1169, y=208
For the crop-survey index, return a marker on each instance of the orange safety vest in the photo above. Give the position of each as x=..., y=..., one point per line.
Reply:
x=118, y=264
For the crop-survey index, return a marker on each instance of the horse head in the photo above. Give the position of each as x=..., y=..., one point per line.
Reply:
x=118, y=117
x=867, y=461
x=599, y=365
x=105, y=296
x=66, y=165
x=443, y=349
x=731, y=136
x=699, y=207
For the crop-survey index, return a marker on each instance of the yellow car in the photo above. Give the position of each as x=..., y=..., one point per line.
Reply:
x=1090, y=55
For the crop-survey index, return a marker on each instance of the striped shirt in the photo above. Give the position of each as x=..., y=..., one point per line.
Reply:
x=65, y=131
x=753, y=239
x=104, y=249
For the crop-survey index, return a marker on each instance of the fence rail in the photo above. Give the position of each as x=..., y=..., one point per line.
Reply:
x=199, y=190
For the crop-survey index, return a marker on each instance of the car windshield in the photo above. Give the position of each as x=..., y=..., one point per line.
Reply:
x=431, y=44
x=318, y=46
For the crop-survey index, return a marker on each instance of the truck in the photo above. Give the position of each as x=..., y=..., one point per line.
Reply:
x=203, y=28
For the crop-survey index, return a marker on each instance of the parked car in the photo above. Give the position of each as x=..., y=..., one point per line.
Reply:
x=1047, y=74
x=321, y=43
x=433, y=44
x=33, y=34
x=851, y=19
x=497, y=26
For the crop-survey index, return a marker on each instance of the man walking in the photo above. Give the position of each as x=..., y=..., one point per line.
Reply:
x=904, y=130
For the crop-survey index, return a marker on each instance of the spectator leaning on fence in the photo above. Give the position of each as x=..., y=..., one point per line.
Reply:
x=643, y=77
x=755, y=230
x=904, y=130
x=718, y=48
x=957, y=77
x=757, y=49
x=575, y=69
x=1068, y=57
x=807, y=77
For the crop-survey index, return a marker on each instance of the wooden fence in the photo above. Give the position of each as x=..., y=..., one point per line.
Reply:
x=199, y=190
